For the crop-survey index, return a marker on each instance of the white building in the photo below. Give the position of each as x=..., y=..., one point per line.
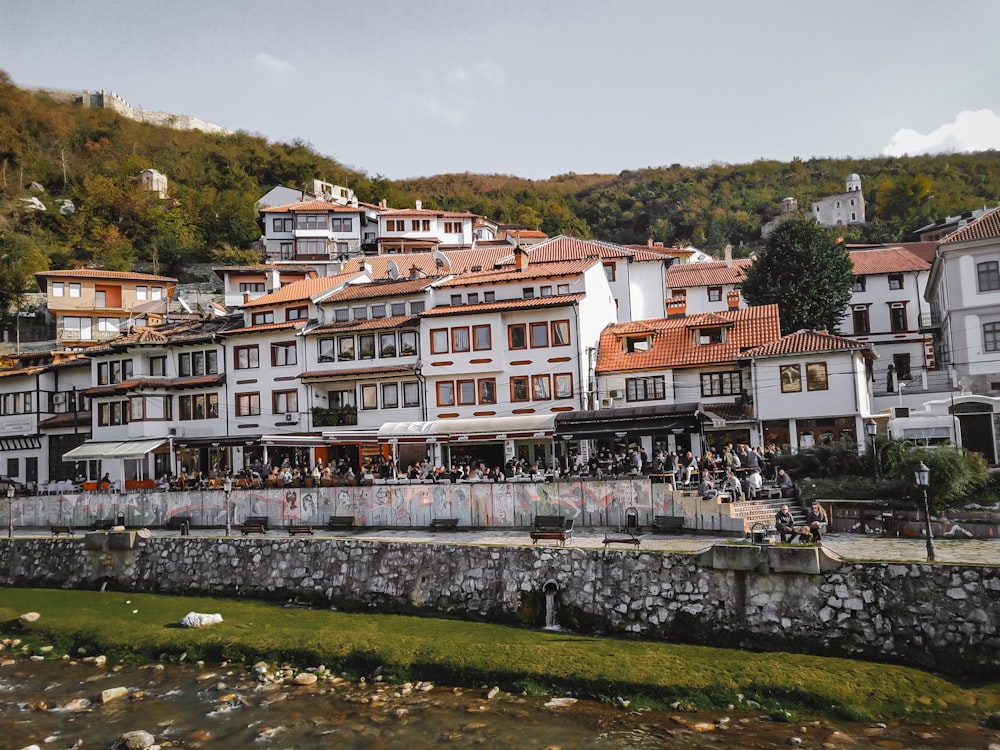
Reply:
x=844, y=209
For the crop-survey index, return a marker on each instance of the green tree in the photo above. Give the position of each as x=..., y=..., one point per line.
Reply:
x=804, y=271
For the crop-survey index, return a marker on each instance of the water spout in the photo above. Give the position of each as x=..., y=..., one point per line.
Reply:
x=550, y=589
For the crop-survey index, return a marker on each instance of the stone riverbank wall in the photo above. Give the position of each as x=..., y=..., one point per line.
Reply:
x=942, y=617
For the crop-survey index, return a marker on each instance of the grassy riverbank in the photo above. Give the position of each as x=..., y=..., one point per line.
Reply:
x=144, y=627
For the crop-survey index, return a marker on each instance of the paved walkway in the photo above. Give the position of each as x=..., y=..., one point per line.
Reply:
x=848, y=546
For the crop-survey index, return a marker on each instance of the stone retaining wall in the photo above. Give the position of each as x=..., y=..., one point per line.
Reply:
x=942, y=617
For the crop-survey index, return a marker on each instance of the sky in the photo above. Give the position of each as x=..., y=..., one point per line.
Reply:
x=537, y=88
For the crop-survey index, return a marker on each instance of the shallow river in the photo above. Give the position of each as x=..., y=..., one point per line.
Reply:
x=46, y=704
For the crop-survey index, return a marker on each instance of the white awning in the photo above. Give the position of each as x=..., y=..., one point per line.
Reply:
x=292, y=440
x=116, y=449
x=485, y=428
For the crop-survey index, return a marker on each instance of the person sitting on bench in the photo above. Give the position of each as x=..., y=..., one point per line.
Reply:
x=732, y=486
x=785, y=483
x=784, y=524
x=817, y=521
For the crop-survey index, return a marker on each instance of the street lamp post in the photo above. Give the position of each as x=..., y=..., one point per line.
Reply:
x=227, y=487
x=10, y=510
x=871, y=428
x=922, y=476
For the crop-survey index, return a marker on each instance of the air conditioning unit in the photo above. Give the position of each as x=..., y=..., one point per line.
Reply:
x=614, y=394
x=176, y=432
x=605, y=403
x=900, y=412
x=291, y=418
x=59, y=399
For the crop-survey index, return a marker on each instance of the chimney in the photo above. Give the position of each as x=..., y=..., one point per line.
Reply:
x=419, y=205
x=733, y=299
x=649, y=242
x=728, y=255
x=272, y=278
x=521, y=258
x=677, y=306
x=382, y=203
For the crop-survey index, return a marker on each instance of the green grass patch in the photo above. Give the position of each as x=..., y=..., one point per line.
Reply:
x=136, y=627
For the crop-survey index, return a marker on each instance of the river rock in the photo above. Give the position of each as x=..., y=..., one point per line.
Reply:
x=112, y=694
x=200, y=620
x=137, y=740
x=27, y=618
x=305, y=678
x=79, y=704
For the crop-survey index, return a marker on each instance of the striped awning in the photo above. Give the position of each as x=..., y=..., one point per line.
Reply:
x=20, y=444
x=117, y=449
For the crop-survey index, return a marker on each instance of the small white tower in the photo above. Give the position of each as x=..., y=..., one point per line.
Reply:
x=853, y=183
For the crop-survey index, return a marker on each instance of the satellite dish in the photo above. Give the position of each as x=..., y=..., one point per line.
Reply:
x=392, y=270
x=441, y=260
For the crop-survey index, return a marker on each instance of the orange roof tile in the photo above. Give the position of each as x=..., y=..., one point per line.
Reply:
x=886, y=260
x=394, y=212
x=501, y=305
x=379, y=289
x=312, y=207
x=264, y=328
x=479, y=259
x=674, y=341
x=807, y=342
x=372, y=324
x=94, y=273
x=985, y=227
x=301, y=290
x=712, y=273
x=563, y=247
x=341, y=372
x=533, y=271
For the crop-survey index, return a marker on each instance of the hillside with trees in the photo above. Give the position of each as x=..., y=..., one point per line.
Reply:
x=91, y=157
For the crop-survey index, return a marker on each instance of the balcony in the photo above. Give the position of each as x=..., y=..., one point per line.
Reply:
x=929, y=321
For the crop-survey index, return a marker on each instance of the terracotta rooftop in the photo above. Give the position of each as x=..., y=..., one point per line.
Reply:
x=502, y=305
x=372, y=324
x=675, y=342
x=379, y=289
x=312, y=206
x=264, y=328
x=807, y=342
x=302, y=290
x=570, y=248
x=712, y=273
x=195, y=381
x=424, y=212
x=886, y=260
x=342, y=372
x=985, y=227
x=533, y=271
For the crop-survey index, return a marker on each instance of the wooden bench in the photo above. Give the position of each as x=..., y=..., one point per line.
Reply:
x=179, y=522
x=623, y=539
x=57, y=530
x=668, y=523
x=102, y=524
x=557, y=528
x=340, y=522
x=299, y=529
x=254, y=525
x=444, y=523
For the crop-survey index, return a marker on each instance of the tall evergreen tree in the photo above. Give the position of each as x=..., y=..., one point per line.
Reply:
x=806, y=272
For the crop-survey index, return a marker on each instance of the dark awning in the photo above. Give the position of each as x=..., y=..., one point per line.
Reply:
x=634, y=420
x=20, y=444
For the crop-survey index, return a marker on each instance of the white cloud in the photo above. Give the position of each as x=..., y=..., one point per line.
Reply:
x=971, y=131
x=431, y=108
x=458, y=75
x=272, y=63
x=481, y=72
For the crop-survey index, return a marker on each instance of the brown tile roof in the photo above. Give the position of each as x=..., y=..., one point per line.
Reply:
x=886, y=260
x=311, y=207
x=13, y=371
x=93, y=273
x=712, y=273
x=461, y=261
x=264, y=328
x=730, y=411
x=395, y=212
x=285, y=269
x=571, y=248
x=194, y=381
x=533, y=271
x=807, y=342
x=373, y=324
x=500, y=306
x=379, y=264
x=302, y=290
x=379, y=289
x=341, y=373
x=675, y=340
x=985, y=227
x=66, y=419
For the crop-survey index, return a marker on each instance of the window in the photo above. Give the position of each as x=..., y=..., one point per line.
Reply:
x=489, y=296
x=378, y=311
x=114, y=371
x=58, y=289
x=198, y=363
x=460, y=339
x=246, y=357
x=988, y=276
x=560, y=333
x=715, y=294
x=407, y=342
x=528, y=292
x=76, y=329
x=539, y=335
x=366, y=346
x=897, y=316
x=75, y=290
x=142, y=293
x=148, y=408
x=297, y=313
x=390, y=395
x=609, y=271
x=895, y=281
x=540, y=387
x=411, y=394
x=466, y=392
x=326, y=350
x=112, y=413
x=108, y=327
x=456, y=300
x=345, y=348
x=439, y=341
x=281, y=224
x=283, y=354
x=341, y=225
x=453, y=227
x=859, y=284
x=473, y=298
x=519, y=388
x=342, y=315
x=991, y=337
x=446, y=393
x=635, y=343
x=360, y=312
x=711, y=335
x=517, y=336
x=287, y=250
x=482, y=338
x=791, y=378
x=721, y=383
x=198, y=406
x=285, y=402
x=545, y=290
x=861, y=321
x=249, y=287
x=387, y=345
x=398, y=308
x=262, y=318
x=158, y=366
x=100, y=298
x=310, y=221
x=247, y=404
x=901, y=363
x=343, y=399
x=311, y=247
x=395, y=225
x=816, y=376
x=563, y=383
x=645, y=389
x=562, y=289
x=416, y=307
x=488, y=391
